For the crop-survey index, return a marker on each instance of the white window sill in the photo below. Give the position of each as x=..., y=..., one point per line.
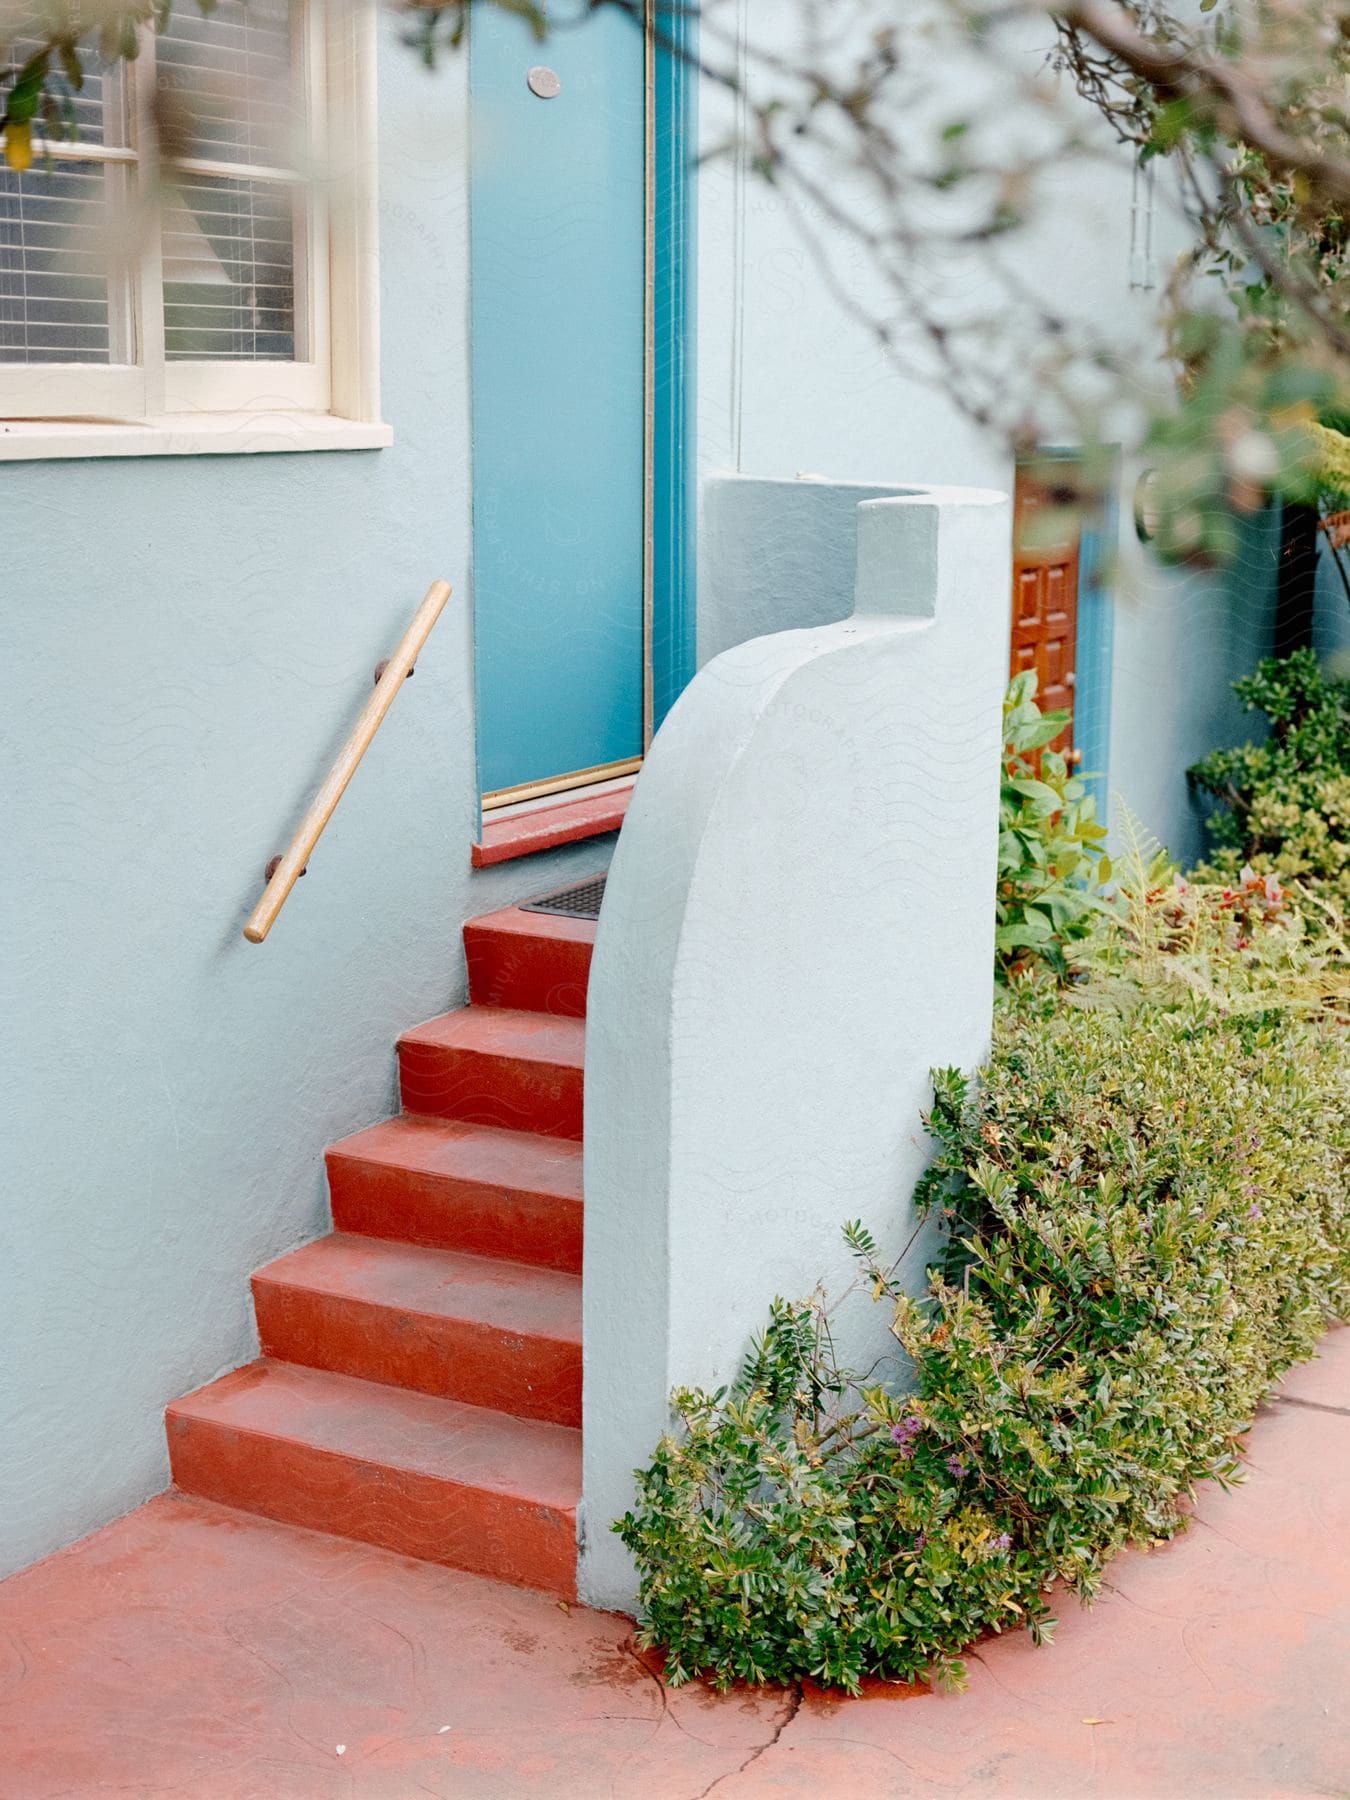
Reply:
x=187, y=434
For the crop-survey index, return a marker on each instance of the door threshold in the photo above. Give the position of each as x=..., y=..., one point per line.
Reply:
x=554, y=787
x=581, y=788
x=530, y=826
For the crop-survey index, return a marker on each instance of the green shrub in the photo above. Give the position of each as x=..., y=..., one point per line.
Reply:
x=1236, y=949
x=1051, y=859
x=1282, y=807
x=1149, y=1222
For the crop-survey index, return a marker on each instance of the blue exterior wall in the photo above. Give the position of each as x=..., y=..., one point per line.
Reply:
x=1095, y=661
x=1332, y=624
x=186, y=642
x=1181, y=637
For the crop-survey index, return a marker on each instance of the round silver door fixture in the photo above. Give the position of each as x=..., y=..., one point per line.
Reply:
x=543, y=82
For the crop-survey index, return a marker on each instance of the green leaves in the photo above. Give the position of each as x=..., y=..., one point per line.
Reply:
x=24, y=97
x=1044, y=799
x=1172, y=120
x=43, y=88
x=1050, y=842
x=1147, y=1213
x=1281, y=808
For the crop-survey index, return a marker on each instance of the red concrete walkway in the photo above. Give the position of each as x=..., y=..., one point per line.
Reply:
x=188, y=1651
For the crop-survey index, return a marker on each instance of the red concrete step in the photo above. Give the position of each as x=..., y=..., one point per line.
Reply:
x=457, y=1186
x=426, y=1477
x=537, y=962
x=496, y=1065
x=468, y=1328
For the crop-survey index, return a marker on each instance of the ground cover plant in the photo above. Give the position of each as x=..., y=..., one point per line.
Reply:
x=1148, y=1196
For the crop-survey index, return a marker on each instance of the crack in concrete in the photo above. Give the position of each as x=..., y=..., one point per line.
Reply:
x=630, y=1649
x=794, y=1706
x=1342, y=1412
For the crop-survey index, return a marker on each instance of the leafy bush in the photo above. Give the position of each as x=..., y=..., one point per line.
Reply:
x=1051, y=858
x=1283, y=807
x=1238, y=950
x=1149, y=1206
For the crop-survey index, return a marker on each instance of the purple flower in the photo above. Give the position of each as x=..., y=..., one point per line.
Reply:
x=1003, y=1541
x=920, y=1541
x=957, y=1467
x=1253, y=1211
x=904, y=1433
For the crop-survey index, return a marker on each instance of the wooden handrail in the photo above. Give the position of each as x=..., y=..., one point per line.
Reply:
x=292, y=865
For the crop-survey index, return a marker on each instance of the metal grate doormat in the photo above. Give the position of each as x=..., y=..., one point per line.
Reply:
x=580, y=902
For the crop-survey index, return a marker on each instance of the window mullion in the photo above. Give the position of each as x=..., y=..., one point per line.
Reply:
x=310, y=214
x=121, y=184
x=149, y=212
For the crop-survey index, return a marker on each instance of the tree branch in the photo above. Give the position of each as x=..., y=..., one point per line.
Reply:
x=1186, y=71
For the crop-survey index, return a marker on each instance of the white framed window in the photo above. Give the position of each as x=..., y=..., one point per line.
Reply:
x=206, y=282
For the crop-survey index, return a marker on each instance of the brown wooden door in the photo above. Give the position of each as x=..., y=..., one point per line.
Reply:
x=1046, y=542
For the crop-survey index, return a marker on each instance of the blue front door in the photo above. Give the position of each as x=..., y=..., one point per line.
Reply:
x=560, y=430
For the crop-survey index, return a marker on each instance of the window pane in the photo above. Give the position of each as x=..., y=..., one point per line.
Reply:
x=96, y=113
x=56, y=233
x=229, y=270
x=229, y=74
x=54, y=289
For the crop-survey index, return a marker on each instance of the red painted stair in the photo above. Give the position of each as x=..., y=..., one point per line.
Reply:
x=468, y=1328
x=420, y=1383
x=429, y=1478
x=493, y=1065
x=456, y=1186
x=535, y=961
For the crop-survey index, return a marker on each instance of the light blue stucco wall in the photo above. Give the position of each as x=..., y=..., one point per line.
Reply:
x=776, y=555
x=186, y=642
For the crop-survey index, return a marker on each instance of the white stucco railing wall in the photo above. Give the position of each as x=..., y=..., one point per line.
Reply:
x=776, y=554
x=798, y=926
